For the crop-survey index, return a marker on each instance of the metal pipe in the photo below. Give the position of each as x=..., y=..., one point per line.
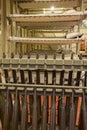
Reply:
x=40, y=86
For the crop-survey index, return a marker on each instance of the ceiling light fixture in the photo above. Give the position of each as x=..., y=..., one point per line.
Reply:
x=52, y=9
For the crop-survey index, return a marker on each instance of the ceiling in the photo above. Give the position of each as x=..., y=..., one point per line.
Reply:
x=43, y=6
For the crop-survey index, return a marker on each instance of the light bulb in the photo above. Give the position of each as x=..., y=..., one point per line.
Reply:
x=52, y=8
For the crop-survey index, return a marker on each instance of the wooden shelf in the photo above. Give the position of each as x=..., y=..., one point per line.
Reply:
x=76, y=16
x=48, y=3
x=45, y=40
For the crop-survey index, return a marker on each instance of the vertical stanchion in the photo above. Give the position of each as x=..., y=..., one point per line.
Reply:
x=7, y=112
x=24, y=118
x=72, y=114
x=34, y=114
x=15, y=115
x=53, y=112
x=53, y=108
x=44, y=112
x=83, y=115
x=62, y=113
x=80, y=77
x=67, y=106
x=6, y=75
x=14, y=76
